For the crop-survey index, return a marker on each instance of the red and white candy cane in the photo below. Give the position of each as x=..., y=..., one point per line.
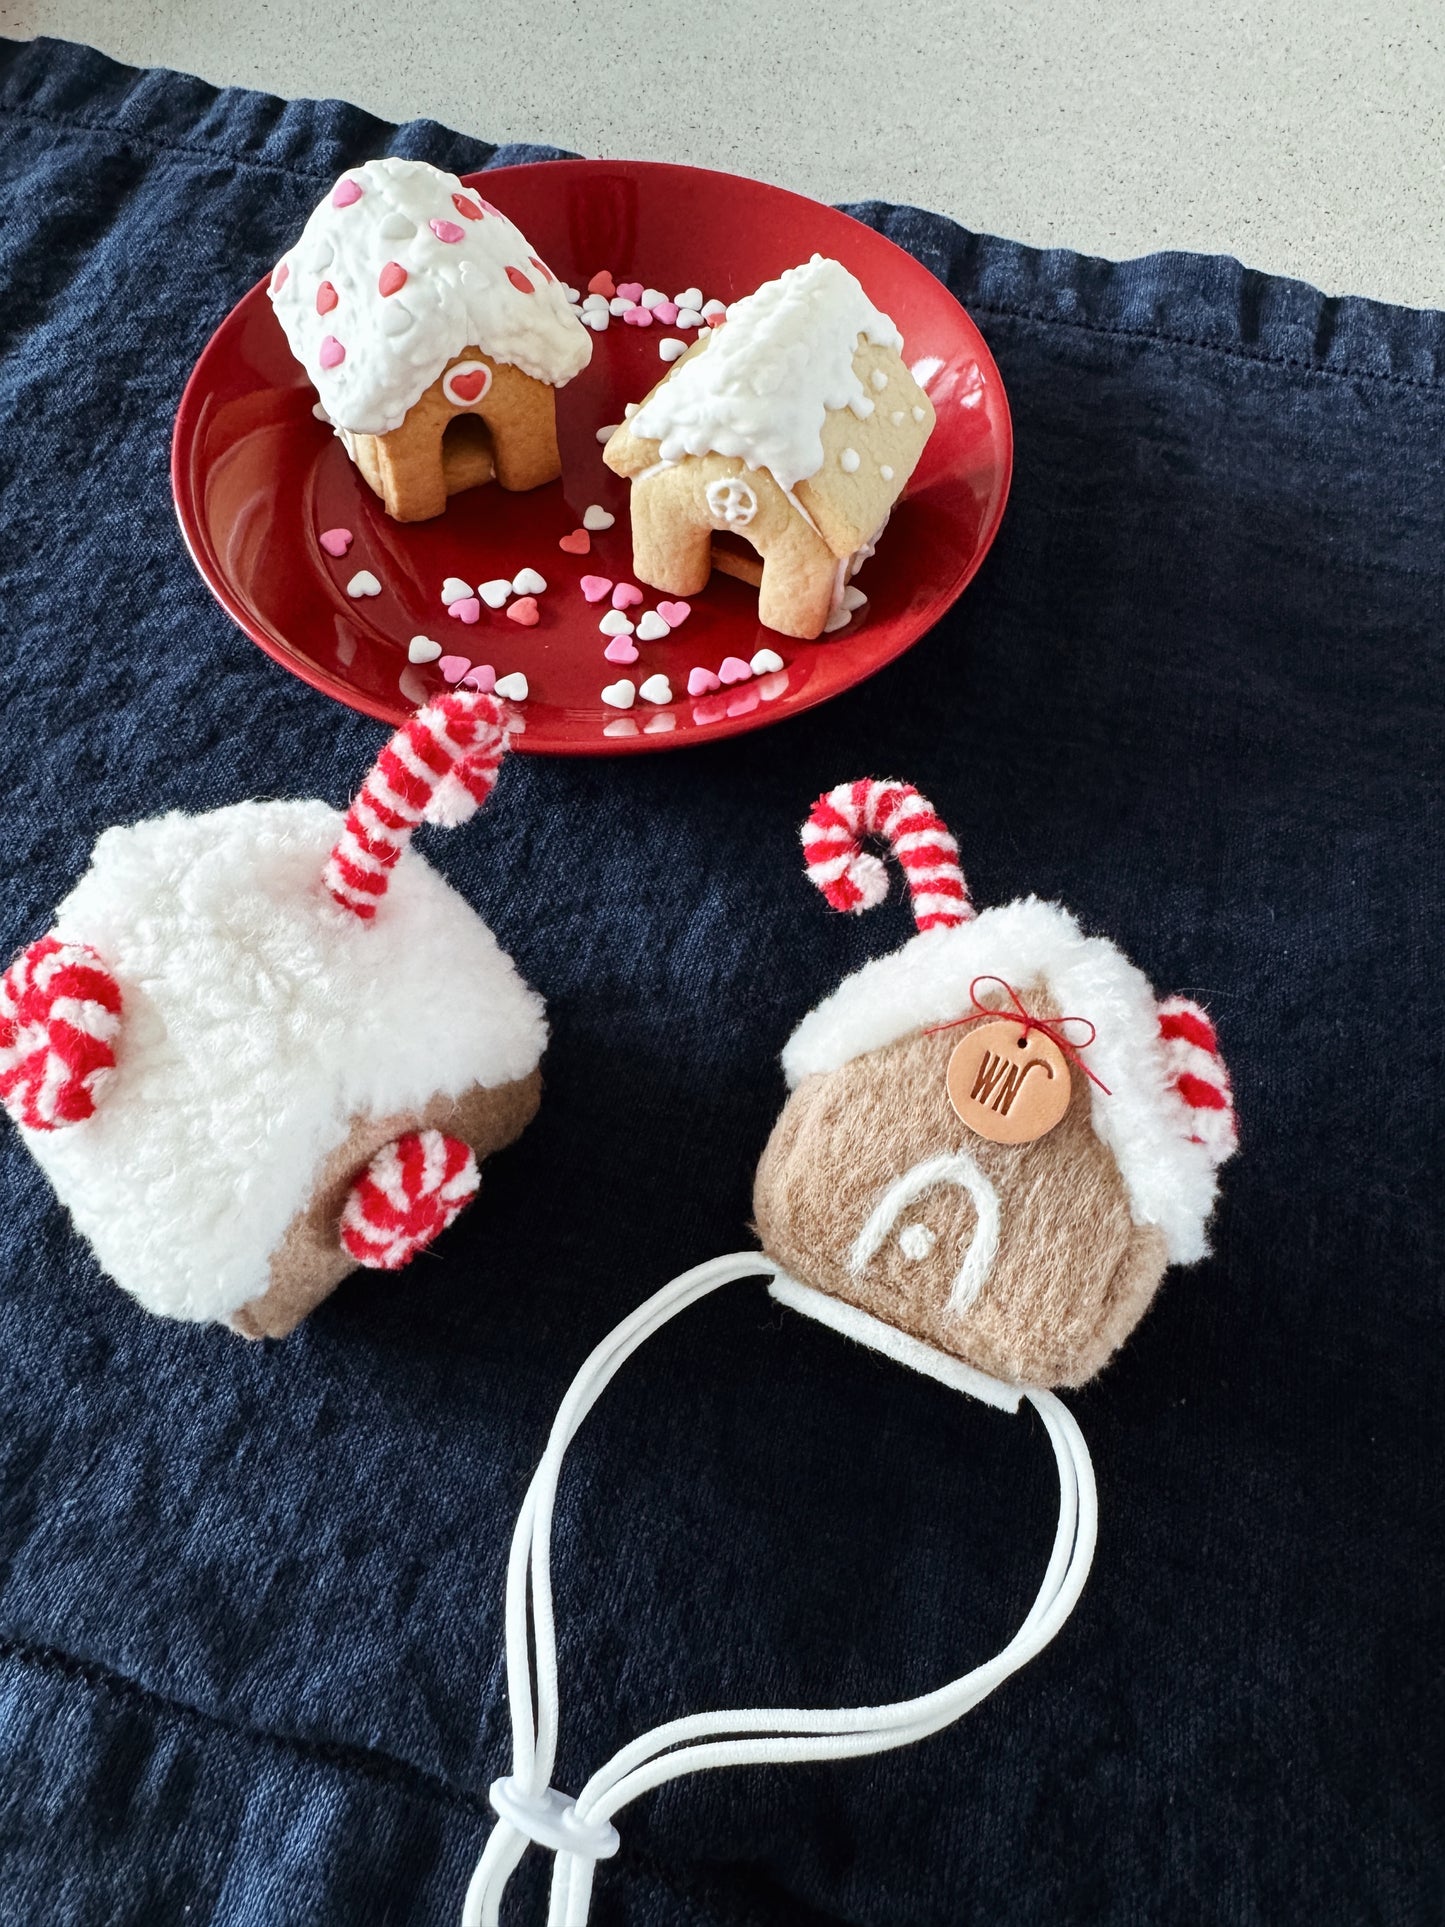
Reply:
x=59, y=1019
x=1198, y=1073
x=406, y=1196
x=440, y=765
x=851, y=878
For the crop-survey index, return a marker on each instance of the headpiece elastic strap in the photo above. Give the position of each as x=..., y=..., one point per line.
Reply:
x=581, y=1831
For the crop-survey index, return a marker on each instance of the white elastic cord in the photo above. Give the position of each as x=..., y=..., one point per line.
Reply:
x=581, y=1831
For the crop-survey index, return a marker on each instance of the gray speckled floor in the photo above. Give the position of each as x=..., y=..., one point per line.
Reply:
x=1304, y=137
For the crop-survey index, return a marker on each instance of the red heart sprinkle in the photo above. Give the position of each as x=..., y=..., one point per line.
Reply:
x=392, y=277
x=603, y=284
x=519, y=280
x=525, y=611
x=541, y=267
x=468, y=210
x=468, y=387
x=579, y=542
x=326, y=298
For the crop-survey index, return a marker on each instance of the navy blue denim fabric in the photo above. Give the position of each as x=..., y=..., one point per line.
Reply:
x=250, y=1595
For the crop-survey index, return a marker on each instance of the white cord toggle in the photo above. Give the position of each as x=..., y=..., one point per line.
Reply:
x=549, y=1819
x=529, y=1809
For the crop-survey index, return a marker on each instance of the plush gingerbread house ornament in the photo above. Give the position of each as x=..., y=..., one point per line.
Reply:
x=263, y=1046
x=793, y=429
x=996, y=1141
x=433, y=333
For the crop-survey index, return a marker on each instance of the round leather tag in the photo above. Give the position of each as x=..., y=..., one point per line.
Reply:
x=1009, y=1084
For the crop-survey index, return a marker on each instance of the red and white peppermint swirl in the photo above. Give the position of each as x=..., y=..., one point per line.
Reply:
x=440, y=765
x=853, y=879
x=407, y=1195
x=59, y=1019
x=1197, y=1072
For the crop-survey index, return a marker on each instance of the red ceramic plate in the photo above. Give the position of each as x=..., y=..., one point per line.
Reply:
x=257, y=478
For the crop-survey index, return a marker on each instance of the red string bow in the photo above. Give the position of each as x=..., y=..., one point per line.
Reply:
x=1052, y=1027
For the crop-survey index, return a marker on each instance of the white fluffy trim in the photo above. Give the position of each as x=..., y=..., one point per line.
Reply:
x=259, y=1020
x=1034, y=945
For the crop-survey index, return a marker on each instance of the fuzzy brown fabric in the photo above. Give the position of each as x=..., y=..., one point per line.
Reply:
x=311, y=1261
x=1073, y=1273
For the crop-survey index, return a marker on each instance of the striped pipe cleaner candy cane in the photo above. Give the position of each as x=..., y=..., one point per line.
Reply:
x=440, y=765
x=853, y=879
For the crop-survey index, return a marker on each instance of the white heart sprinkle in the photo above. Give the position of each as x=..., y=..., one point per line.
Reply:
x=688, y=318
x=607, y=431
x=657, y=689
x=495, y=592
x=396, y=227
x=713, y=307
x=839, y=619
x=669, y=350
x=574, y=295
x=689, y=298
x=617, y=305
x=630, y=410
x=598, y=320
x=513, y=687
x=595, y=301
x=422, y=649
x=320, y=413
x=652, y=628
x=616, y=623
x=879, y=379
x=363, y=583
x=596, y=517
x=765, y=662
x=455, y=590
x=619, y=695
x=651, y=297
x=848, y=461
x=528, y=583
x=853, y=598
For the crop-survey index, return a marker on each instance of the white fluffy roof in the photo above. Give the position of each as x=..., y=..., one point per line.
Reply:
x=1032, y=945
x=259, y=1020
x=457, y=293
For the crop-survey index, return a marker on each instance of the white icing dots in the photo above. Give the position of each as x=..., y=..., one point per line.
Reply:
x=879, y=379
x=848, y=461
x=732, y=502
x=886, y=472
x=771, y=374
x=918, y=413
x=417, y=270
x=898, y=418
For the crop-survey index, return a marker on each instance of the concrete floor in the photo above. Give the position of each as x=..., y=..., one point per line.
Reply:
x=1304, y=136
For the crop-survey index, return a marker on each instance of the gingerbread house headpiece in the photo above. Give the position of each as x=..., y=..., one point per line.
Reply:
x=262, y=1046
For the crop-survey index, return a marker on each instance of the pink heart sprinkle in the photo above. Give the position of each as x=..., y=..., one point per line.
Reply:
x=465, y=609
x=666, y=312
x=630, y=291
x=447, y=231
x=621, y=649
x=626, y=595
x=579, y=542
x=453, y=668
x=326, y=298
x=594, y=587
x=743, y=703
x=731, y=669
x=638, y=317
x=332, y=352
x=345, y=192
x=335, y=541
x=524, y=610
x=278, y=279
x=673, y=613
x=483, y=677
x=701, y=682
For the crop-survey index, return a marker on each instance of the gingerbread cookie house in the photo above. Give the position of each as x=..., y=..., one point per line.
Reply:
x=433, y=333
x=791, y=429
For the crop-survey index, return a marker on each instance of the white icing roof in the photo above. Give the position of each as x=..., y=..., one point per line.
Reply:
x=768, y=377
x=258, y=1021
x=456, y=278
